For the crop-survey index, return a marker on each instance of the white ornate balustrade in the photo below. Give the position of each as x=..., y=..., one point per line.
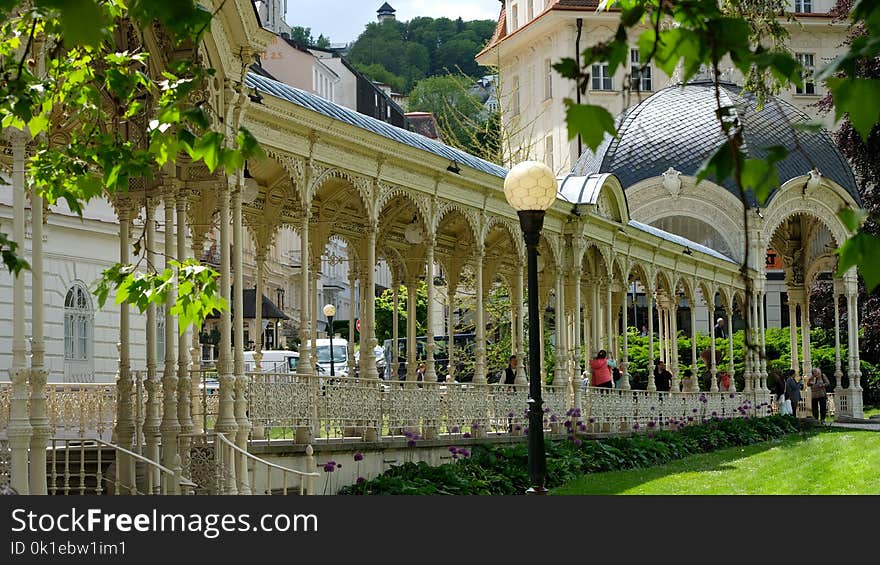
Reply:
x=278, y=405
x=74, y=409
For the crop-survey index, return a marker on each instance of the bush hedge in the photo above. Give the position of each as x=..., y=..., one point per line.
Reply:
x=499, y=470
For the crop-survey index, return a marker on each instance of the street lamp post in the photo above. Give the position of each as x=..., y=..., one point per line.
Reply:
x=330, y=311
x=530, y=187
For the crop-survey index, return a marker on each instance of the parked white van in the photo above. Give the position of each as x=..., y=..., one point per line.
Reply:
x=340, y=356
x=274, y=361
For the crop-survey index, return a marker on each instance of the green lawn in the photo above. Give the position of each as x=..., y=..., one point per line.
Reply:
x=828, y=462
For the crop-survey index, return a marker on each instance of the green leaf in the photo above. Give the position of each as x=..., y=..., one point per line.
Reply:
x=853, y=219
x=861, y=250
x=590, y=121
x=567, y=68
x=83, y=22
x=719, y=166
x=860, y=98
x=759, y=175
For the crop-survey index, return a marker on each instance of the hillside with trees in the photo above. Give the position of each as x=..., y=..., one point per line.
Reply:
x=403, y=53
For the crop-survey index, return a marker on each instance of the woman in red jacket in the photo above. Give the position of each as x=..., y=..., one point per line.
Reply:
x=601, y=371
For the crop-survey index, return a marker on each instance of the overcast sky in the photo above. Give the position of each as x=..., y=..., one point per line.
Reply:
x=343, y=20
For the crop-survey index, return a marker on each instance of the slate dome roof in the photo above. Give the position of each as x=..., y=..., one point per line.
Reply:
x=677, y=127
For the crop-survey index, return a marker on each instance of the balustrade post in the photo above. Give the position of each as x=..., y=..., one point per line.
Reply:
x=170, y=427
x=39, y=419
x=243, y=423
x=184, y=381
x=652, y=385
x=152, y=413
x=561, y=353
x=395, y=329
x=411, y=360
x=807, y=355
x=19, y=429
x=480, y=349
x=258, y=311
x=352, y=275
x=624, y=365
x=520, y=346
x=430, y=370
x=370, y=295
x=730, y=345
x=695, y=373
x=838, y=374
x=713, y=368
x=304, y=369
x=124, y=430
x=226, y=422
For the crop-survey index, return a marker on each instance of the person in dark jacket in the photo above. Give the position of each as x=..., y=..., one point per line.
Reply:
x=662, y=377
x=792, y=391
x=510, y=371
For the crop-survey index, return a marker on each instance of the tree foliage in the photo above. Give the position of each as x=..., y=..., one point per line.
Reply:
x=68, y=71
x=420, y=48
x=463, y=120
x=303, y=36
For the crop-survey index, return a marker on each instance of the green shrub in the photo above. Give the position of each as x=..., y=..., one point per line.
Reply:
x=500, y=470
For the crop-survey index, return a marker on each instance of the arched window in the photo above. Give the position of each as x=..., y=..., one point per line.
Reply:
x=78, y=319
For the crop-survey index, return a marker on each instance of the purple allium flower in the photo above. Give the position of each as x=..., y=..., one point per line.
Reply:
x=464, y=452
x=714, y=413
x=455, y=429
x=361, y=480
x=416, y=436
x=703, y=398
x=553, y=418
x=510, y=414
x=694, y=410
x=517, y=428
x=592, y=420
x=453, y=449
x=526, y=431
x=411, y=443
x=570, y=412
x=636, y=426
x=581, y=426
x=577, y=441
x=329, y=466
x=358, y=456
x=690, y=418
x=408, y=434
x=466, y=435
x=651, y=424
x=475, y=426
x=732, y=395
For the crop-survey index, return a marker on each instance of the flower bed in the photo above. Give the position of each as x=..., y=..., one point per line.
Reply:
x=503, y=470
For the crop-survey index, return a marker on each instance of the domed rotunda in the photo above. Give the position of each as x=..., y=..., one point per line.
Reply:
x=661, y=144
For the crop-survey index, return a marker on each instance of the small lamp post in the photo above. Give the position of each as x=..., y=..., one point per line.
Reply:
x=530, y=187
x=330, y=311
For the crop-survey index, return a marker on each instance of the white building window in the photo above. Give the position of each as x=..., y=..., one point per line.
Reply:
x=514, y=97
x=530, y=9
x=548, y=79
x=803, y=6
x=641, y=78
x=78, y=320
x=514, y=17
x=601, y=77
x=809, y=87
x=548, y=151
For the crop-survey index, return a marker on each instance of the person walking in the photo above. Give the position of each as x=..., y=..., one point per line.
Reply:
x=724, y=382
x=818, y=384
x=720, y=329
x=510, y=372
x=792, y=391
x=662, y=377
x=601, y=371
